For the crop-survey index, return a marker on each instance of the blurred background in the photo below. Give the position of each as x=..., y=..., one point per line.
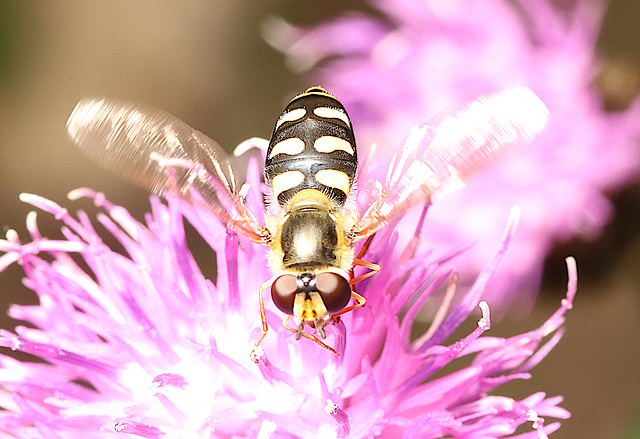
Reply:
x=206, y=63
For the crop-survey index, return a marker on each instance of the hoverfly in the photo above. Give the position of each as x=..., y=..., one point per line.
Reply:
x=311, y=166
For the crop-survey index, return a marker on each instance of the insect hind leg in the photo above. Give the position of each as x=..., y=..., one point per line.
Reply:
x=374, y=268
x=360, y=263
x=360, y=301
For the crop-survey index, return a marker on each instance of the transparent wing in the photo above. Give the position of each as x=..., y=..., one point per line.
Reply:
x=163, y=154
x=437, y=157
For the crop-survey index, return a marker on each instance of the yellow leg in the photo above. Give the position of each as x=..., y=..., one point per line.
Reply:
x=360, y=302
x=373, y=267
x=365, y=247
x=263, y=316
x=359, y=262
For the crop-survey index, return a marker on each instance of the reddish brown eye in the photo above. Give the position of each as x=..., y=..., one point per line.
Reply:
x=283, y=293
x=334, y=290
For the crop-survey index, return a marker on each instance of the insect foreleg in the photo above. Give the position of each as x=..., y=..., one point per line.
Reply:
x=285, y=323
x=263, y=317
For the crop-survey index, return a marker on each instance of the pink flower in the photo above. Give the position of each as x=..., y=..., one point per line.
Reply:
x=396, y=71
x=140, y=342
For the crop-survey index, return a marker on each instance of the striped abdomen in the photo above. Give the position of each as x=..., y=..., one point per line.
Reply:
x=312, y=147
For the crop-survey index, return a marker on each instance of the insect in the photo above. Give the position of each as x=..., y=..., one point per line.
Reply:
x=312, y=221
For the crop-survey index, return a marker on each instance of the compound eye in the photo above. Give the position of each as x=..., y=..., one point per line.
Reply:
x=283, y=293
x=334, y=290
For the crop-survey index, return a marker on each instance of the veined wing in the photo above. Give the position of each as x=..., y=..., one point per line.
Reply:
x=438, y=156
x=157, y=151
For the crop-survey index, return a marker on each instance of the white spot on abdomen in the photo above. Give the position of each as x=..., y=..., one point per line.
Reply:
x=292, y=115
x=285, y=181
x=334, y=179
x=290, y=146
x=332, y=113
x=328, y=144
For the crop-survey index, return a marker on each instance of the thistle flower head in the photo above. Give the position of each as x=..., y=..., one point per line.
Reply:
x=140, y=343
x=397, y=69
